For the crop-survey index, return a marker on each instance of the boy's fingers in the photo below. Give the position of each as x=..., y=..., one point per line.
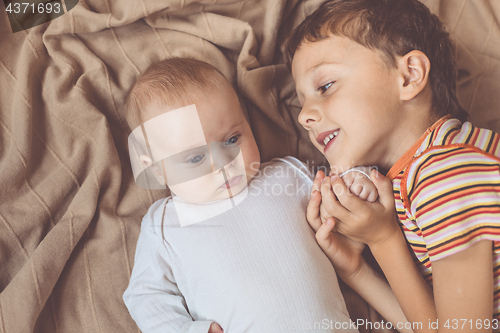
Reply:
x=324, y=233
x=312, y=213
x=330, y=203
x=384, y=187
x=324, y=213
x=317, y=180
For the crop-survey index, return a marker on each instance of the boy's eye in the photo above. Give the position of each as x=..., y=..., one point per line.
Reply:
x=232, y=140
x=197, y=159
x=325, y=87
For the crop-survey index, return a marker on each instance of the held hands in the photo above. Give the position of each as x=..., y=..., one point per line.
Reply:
x=344, y=222
x=215, y=328
x=371, y=223
x=359, y=184
x=344, y=253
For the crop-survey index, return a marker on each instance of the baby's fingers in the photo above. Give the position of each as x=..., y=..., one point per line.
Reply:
x=372, y=196
x=215, y=328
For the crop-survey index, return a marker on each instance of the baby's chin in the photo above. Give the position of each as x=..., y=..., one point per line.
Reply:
x=216, y=195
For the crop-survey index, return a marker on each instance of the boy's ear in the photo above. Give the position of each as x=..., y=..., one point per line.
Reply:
x=415, y=67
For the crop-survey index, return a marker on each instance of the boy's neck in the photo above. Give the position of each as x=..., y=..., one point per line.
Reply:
x=413, y=125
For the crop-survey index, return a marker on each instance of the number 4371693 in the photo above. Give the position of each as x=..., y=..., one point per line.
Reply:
x=41, y=8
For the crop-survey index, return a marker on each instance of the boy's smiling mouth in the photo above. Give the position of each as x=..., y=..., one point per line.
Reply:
x=326, y=138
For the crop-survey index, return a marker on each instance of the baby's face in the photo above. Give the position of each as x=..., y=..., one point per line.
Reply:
x=350, y=101
x=212, y=151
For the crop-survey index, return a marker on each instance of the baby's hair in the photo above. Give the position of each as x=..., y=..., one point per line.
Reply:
x=171, y=83
x=394, y=27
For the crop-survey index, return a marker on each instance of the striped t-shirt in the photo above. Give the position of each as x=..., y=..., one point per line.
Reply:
x=447, y=192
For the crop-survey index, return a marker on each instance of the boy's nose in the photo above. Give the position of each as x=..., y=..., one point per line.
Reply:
x=309, y=114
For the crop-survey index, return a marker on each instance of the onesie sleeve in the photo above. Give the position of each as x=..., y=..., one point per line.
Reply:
x=454, y=198
x=152, y=296
x=305, y=170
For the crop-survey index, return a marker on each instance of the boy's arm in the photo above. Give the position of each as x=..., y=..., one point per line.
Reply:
x=152, y=296
x=463, y=278
x=375, y=290
x=346, y=257
x=386, y=242
x=412, y=292
x=463, y=289
x=363, y=279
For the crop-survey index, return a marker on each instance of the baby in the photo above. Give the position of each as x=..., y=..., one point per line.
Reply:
x=231, y=250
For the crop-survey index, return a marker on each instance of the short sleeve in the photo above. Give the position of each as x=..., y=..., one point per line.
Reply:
x=455, y=199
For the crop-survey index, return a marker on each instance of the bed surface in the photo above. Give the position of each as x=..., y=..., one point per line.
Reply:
x=69, y=210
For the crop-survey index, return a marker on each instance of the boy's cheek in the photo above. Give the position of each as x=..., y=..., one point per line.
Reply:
x=314, y=142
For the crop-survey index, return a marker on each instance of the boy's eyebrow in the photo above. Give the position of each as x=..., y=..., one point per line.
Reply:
x=324, y=63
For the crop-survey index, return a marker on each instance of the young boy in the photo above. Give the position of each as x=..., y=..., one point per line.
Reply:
x=380, y=75
x=221, y=254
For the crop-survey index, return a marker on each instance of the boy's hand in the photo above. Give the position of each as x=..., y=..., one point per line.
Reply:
x=360, y=185
x=344, y=253
x=215, y=328
x=366, y=222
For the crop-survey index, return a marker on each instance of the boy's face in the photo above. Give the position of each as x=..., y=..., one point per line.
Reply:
x=200, y=145
x=347, y=92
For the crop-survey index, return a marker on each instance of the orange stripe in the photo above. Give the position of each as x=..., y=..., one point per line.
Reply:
x=442, y=225
x=407, y=157
x=495, y=144
x=473, y=139
x=463, y=240
x=436, y=203
x=422, y=186
x=403, y=189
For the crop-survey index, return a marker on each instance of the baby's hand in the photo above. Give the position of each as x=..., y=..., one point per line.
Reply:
x=359, y=184
x=215, y=328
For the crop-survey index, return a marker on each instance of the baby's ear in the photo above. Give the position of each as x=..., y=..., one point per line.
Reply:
x=155, y=168
x=415, y=67
x=145, y=160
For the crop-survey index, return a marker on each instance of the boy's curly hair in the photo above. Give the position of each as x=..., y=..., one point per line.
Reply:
x=394, y=27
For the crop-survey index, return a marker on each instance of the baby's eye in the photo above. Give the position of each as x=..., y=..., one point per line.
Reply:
x=197, y=159
x=325, y=87
x=232, y=140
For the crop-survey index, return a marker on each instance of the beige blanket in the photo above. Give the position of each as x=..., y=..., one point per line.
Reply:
x=69, y=209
